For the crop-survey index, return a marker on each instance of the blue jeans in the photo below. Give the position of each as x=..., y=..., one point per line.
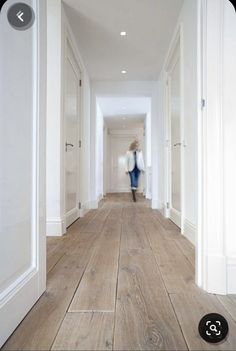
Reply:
x=134, y=176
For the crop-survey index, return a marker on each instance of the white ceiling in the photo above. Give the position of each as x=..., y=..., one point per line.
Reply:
x=149, y=25
x=124, y=106
x=126, y=123
x=124, y=112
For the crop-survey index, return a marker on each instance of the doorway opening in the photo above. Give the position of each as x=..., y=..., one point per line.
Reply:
x=120, y=121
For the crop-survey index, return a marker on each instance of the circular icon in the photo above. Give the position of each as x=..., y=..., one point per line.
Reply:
x=213, y=328
x=20, y=16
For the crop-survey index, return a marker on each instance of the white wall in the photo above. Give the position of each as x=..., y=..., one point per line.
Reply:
x=188, y=21
x=135, y=89
x=58, y=30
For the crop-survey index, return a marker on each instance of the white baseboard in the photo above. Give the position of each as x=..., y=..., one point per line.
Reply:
x=85, y=208
x=55, y=226
x=72, y=216
x=175, y=216
x=216, y=275
x=231, y=275
x=155, y=204
x=94, y=204
x=190, y=231
x=148, y=196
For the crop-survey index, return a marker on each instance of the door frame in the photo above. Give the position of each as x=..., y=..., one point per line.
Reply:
x=177, y=41
x=68, y=43
x=20, y=296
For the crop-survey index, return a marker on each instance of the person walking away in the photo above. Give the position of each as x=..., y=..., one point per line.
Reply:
x=134, y=166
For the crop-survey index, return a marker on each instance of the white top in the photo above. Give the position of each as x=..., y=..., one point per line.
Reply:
x=130, y=161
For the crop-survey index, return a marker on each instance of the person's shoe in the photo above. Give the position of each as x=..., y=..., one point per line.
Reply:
x=134, y=195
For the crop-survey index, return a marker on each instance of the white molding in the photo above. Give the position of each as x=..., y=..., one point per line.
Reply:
x=231, y=275
x=190, y=231
x=72, y=216
x=55, y=226
x=216, y=279
x=155, y=204
x=94, y=204
x=161, y=207
x=175, y=216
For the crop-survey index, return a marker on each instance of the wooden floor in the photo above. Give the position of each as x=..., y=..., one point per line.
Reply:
x=122, y=279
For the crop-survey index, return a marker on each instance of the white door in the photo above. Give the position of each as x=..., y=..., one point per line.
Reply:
x=175, y=138
x=72, y=102
x=22, y=173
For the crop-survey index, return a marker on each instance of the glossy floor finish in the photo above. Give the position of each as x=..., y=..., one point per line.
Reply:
x=122, y=279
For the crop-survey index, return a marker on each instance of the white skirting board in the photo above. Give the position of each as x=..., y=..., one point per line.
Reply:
x=156, y=204
x=55, y=227
x=175, y=216
x=216, y=278
x=231, y=275
x=190, y=231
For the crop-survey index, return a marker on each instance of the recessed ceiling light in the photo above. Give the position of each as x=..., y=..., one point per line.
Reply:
x=123, y=34
x=124, y=71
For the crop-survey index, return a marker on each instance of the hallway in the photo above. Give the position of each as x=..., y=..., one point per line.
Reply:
x=122, y=278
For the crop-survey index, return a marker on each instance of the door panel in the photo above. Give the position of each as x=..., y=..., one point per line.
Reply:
x=175, y=137
x=22, y=221
x=72, y=140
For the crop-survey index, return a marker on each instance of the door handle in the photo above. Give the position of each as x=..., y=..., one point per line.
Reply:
x=68, y=144
x=178, y=144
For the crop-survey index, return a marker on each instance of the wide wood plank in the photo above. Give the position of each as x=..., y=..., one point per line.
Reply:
x=97, y=289
x=85, y=331
x=190, y=308
x=133, y=232
x=97, y=223
x=187, y=248
x=168, y=252
x=178, y=274
x=145, y=319
x=55, y=251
